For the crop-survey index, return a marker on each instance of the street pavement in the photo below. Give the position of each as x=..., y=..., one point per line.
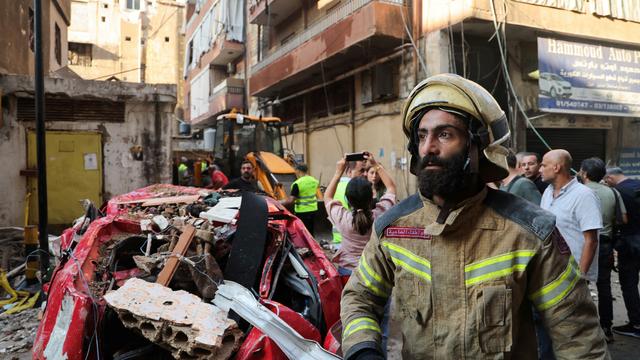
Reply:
x=624, y=347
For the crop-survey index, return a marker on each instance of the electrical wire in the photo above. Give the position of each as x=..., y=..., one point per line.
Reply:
x=507, y=78
x=464, y=55
x=326, y=97
x=93, y=305
x=406, y=28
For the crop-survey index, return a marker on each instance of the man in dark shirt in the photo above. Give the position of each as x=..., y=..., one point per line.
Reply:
x=628, y=249
x=531, y=166
x=246, y=181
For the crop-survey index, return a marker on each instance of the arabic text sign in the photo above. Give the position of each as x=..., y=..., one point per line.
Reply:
x=585, y=78
x=630, y=161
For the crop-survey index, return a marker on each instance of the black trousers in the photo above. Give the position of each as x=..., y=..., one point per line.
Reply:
x=605, y=264
x=628, y=269
x=308, y=218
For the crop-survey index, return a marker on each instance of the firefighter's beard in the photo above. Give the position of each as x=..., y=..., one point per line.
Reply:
x=450, y=182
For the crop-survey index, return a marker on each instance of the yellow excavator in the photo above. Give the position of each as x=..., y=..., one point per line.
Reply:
x=259, y=140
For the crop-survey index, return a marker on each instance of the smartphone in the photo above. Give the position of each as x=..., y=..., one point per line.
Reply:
x=358, y=156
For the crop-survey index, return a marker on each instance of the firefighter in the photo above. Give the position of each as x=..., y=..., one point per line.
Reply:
x=464, y=264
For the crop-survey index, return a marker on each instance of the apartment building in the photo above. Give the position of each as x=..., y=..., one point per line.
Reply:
x=128, y=40
x=214, y=60
x=339, y=71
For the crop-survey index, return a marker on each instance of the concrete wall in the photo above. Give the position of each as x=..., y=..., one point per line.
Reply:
x=121, y=173
x=378, y=129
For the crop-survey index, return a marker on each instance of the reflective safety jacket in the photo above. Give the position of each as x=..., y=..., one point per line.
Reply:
x=306, y=201
x=465, y=287
x=340, y=195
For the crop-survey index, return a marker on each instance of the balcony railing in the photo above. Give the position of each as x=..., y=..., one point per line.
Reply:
x=318, y=27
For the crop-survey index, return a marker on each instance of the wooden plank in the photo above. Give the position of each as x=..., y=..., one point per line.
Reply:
x=182, y=199
x=165, y=276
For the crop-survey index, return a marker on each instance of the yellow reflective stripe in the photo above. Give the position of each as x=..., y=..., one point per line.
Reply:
x=497, y=266
x=495, y=274
x=373, y=274
x=552, y=293
x=499, y=258
x=362, y=323
x=372, y=280
x=409, y=261
x=407, y=253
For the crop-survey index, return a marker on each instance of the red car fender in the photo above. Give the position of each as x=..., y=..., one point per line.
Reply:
x=258, y=346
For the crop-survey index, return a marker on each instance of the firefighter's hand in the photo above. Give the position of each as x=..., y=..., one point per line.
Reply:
x=341, y=165
x=368, y=354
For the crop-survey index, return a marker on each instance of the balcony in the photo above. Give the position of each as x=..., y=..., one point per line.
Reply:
x=278, y=10
x=224, y=96
x=331, y=45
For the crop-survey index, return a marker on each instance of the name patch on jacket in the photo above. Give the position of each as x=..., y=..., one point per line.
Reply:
x=406, y=232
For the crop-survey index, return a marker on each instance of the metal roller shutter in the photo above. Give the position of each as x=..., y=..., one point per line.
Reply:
x=580, y=143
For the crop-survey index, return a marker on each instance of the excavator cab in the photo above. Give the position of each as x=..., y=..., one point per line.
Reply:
x=259, y=140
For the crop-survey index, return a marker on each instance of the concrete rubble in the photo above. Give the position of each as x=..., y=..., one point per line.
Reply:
x=176, y=320
x=17, y=333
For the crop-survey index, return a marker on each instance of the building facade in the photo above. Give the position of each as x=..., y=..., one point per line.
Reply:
x=128, y=40
x=339, y=71
x=214, y=60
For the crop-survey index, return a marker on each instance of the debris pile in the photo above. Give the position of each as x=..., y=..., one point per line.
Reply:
x=168, y=272
x=154, y=262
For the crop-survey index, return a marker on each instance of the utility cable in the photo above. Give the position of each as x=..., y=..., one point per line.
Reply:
x=326, y=97
x=507, y=77
x=423, y=65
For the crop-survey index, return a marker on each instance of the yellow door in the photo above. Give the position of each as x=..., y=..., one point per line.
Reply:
x=74, y=173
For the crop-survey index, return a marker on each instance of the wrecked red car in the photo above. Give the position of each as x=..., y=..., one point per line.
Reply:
x=161, y=253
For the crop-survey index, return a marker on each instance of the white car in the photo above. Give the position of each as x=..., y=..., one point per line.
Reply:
x=554, y=85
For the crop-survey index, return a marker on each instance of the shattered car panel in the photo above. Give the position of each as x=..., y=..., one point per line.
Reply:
x=131, y=243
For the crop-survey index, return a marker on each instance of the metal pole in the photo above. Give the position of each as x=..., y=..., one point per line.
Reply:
x=43, y=215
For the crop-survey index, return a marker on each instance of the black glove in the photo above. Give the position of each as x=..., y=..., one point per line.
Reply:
x=368, y=354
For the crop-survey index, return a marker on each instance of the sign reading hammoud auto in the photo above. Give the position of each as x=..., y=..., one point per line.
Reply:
x=585, y=78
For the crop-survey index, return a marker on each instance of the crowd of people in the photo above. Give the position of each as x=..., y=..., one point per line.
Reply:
x=597, y=213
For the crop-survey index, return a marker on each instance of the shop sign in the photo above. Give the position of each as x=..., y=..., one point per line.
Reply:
x=575, y=122
x=587, y=78
x=630, y=161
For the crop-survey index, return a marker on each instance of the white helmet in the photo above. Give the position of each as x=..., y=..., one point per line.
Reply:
x=487, y=122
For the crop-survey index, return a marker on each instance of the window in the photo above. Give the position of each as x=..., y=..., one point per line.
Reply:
x=80, y=54
x=31, y=30
x=103, y=19
x=133, y=4
x=127, y=38
x=106, y=6
x=58, y=44
x=380, y=83
x=166, y=39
